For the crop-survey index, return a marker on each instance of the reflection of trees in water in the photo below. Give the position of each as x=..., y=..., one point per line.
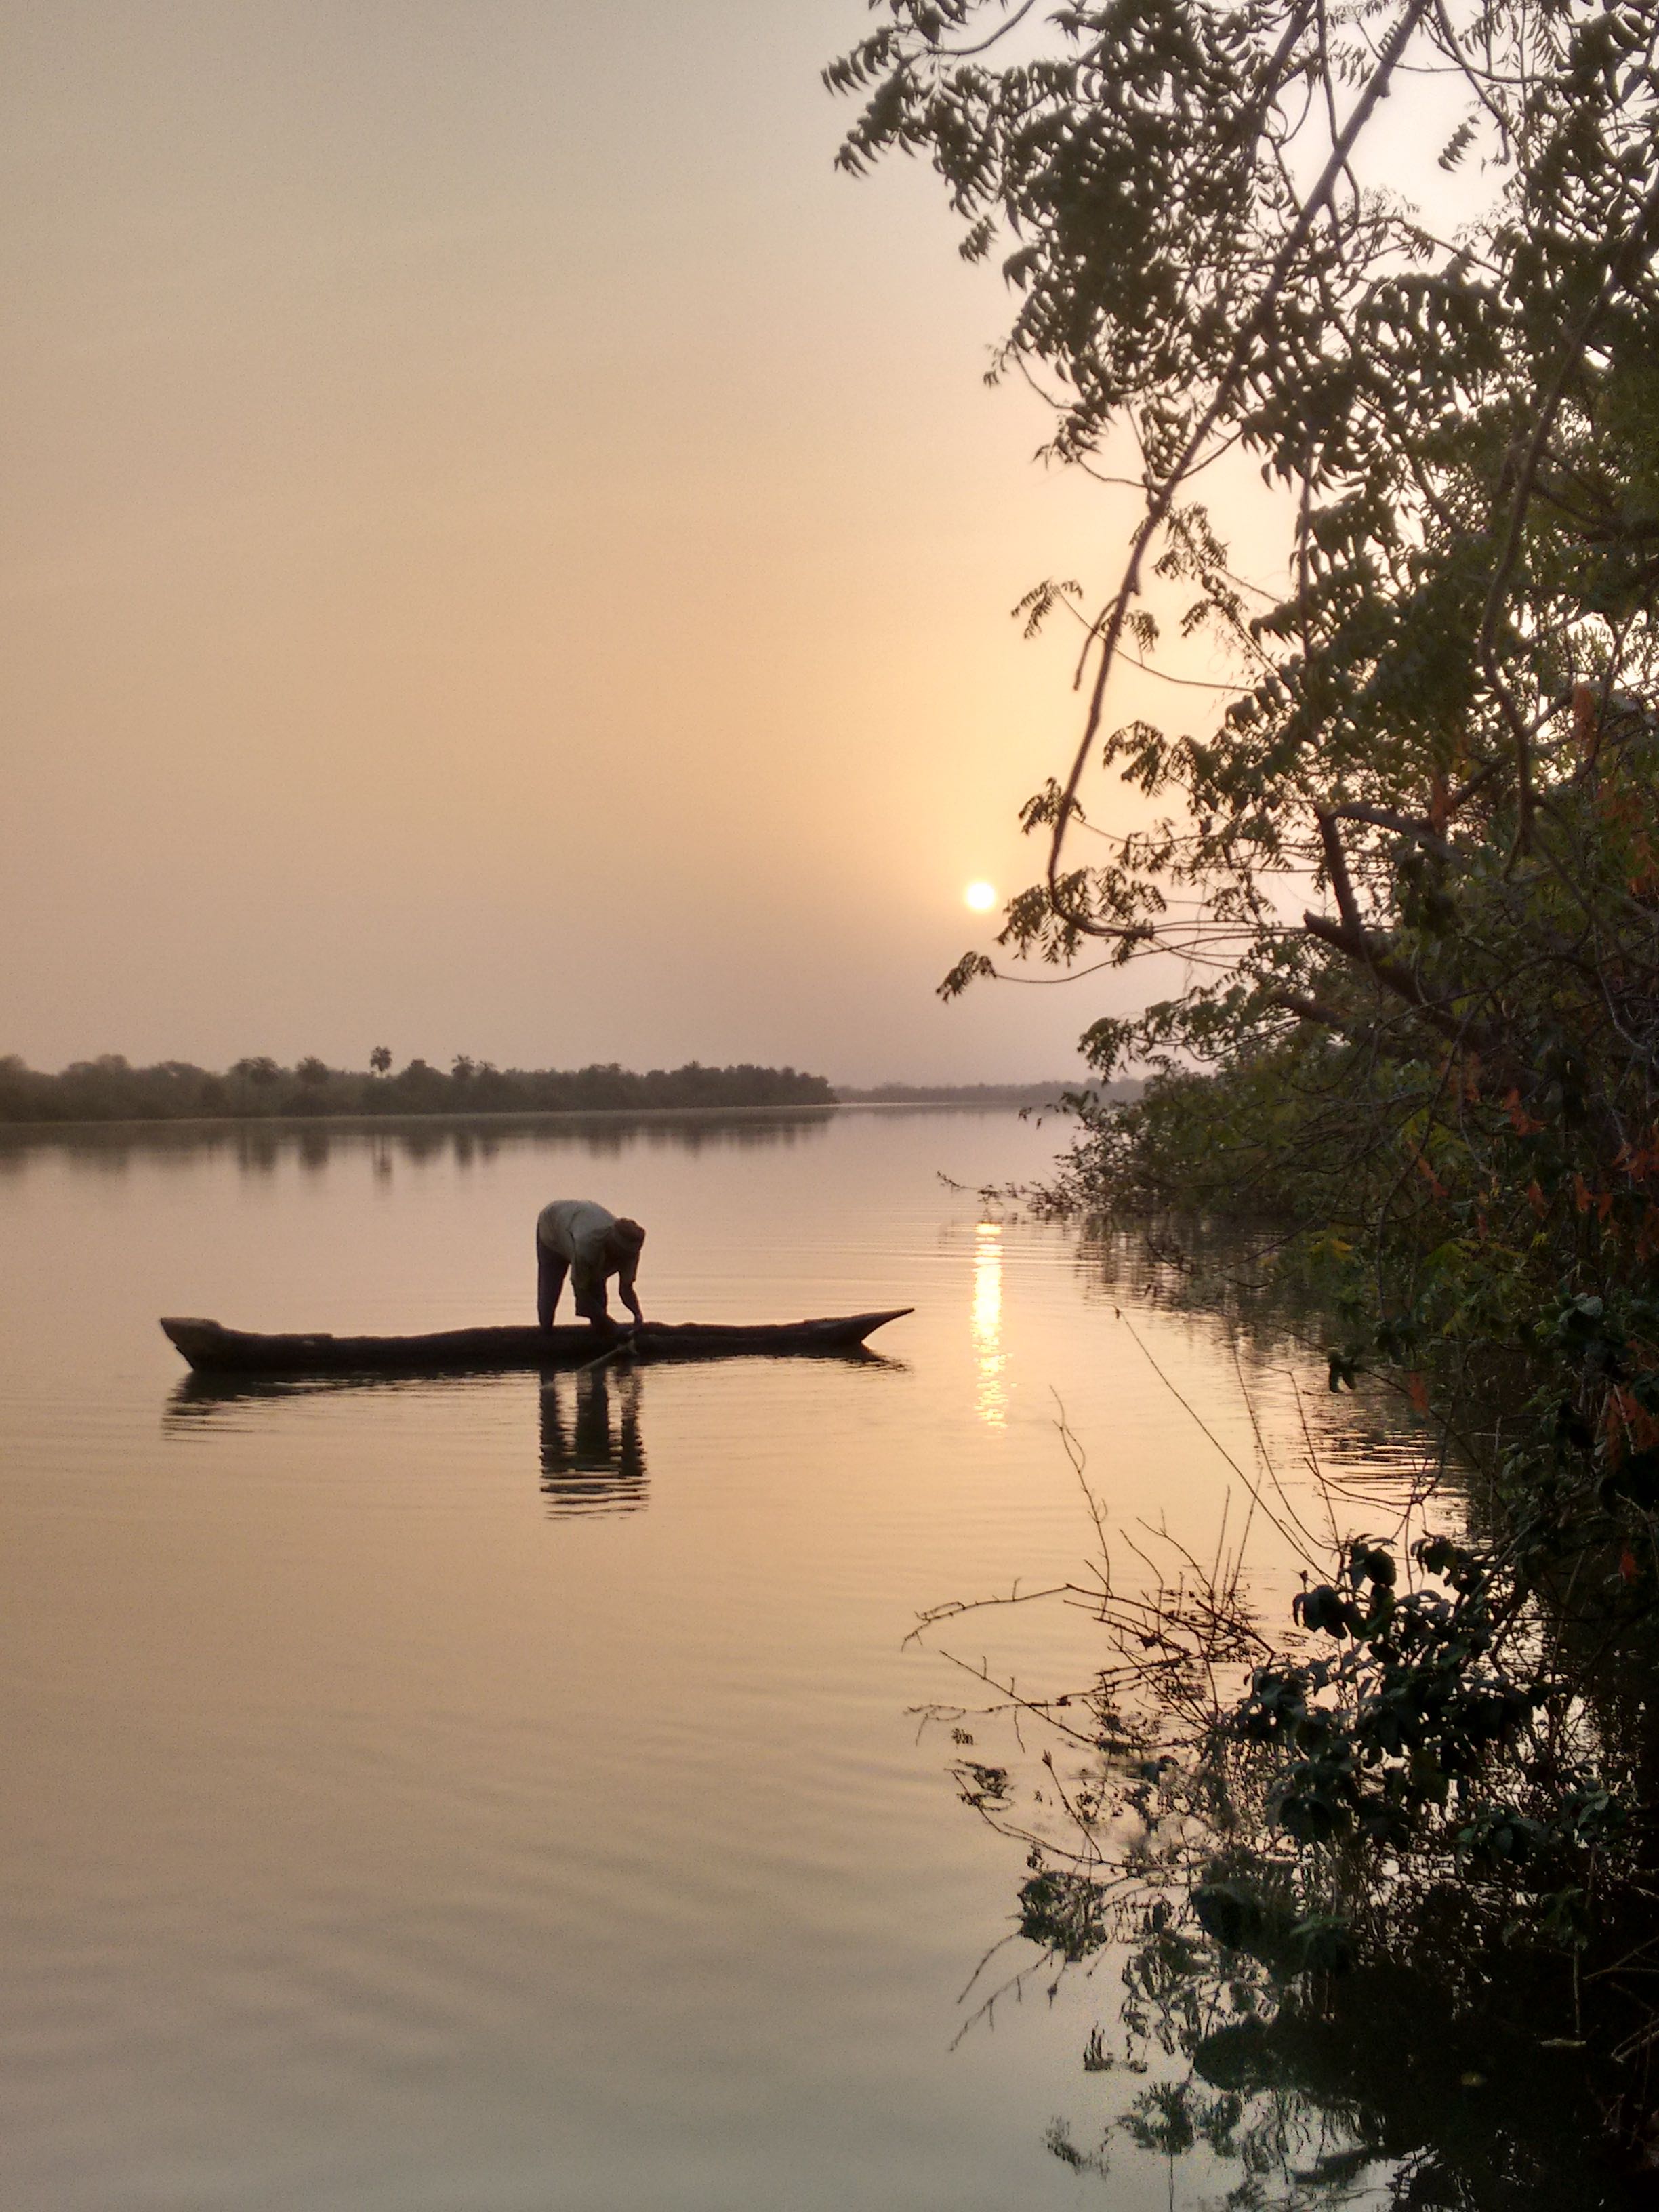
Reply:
x=1427, y=2013
x=1218, y=1270
x=1329, y=2037
x=592, y=1453
x=257, y=1147
x=1219, y=1276
x=1387, y=2084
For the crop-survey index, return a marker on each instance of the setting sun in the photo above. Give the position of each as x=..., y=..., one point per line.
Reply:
x=981, y=897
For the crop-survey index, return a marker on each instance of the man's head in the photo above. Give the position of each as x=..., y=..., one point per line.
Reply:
x=628, y=1236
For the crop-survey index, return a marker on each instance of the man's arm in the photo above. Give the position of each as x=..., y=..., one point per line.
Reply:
x=626, y=1292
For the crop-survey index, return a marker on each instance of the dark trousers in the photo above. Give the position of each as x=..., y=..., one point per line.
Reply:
x=550, y=1271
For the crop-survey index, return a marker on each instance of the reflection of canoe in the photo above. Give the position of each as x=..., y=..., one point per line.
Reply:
x=213, y=1350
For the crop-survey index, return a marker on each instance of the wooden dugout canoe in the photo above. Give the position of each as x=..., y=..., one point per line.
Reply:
x=212, y=1349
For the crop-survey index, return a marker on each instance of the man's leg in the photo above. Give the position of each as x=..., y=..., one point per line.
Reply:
x=550, y=1271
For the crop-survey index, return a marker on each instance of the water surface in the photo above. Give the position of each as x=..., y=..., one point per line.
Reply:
x=490, y=1793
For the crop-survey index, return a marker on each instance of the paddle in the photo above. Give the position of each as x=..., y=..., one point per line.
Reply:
x=628, y=1343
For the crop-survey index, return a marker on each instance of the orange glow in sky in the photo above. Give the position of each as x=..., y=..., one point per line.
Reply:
x=455, y=452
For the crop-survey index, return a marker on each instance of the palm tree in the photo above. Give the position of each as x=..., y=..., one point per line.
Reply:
x=380, y=1060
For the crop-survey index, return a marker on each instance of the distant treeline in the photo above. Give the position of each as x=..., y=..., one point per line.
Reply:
x=982, y=1094
x=110, y=1089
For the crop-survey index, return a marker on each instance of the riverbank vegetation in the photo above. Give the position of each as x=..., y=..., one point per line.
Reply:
x=111, y=1089
x=1405, y=879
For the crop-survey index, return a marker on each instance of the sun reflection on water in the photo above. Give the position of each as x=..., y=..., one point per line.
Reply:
x=991, y=1392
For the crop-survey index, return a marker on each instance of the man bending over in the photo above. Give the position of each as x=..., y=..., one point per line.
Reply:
x=575, y=1236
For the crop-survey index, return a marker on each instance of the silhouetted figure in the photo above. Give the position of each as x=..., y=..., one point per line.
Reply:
x=575, y=1236
x=586, y=1465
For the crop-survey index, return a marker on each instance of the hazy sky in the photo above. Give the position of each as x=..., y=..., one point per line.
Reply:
x=504, y=548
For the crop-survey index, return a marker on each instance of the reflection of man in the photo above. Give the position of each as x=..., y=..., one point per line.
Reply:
x=575, y=1236
x=588, y=1466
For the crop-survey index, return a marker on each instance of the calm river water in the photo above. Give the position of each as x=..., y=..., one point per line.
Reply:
x=487, y=1795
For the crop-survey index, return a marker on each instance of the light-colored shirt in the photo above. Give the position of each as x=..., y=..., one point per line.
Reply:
x=578, y=1230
